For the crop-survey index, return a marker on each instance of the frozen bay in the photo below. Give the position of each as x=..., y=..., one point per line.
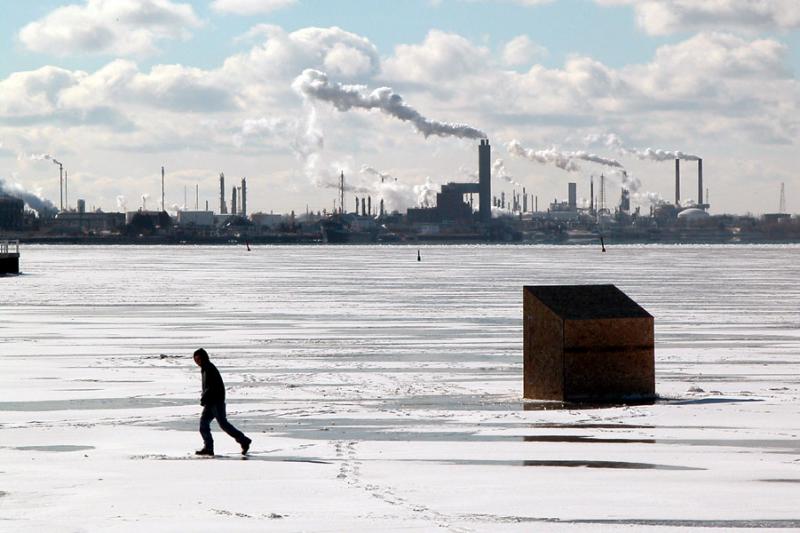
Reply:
x=382, y=392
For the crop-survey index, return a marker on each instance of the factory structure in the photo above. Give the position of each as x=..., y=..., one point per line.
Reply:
x=463, y=212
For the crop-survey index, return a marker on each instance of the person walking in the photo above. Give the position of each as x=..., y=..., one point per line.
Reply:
x=213, y=402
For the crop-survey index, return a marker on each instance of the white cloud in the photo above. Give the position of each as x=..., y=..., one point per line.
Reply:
x=282, y=55
x=661, y=17
x=441, y=55
x=522, y=51
x=121, y=27
x=250, y=7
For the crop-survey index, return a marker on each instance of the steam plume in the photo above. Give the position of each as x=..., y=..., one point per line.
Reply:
x=426, y=193
x=42, y=206
x=398, y=196
x=365, y=169
x=563, y=160
x=314, y=84
x=612, y=141
x=550, y=156
x=121, y=203
x=499, y=171
x=37, y=157
x=661, y=155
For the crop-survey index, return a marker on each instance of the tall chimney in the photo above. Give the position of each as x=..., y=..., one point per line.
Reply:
x=524, y=200
x=223, y=209
x=356, y=205
x=244, y=197
x=677, y=182
x=700, y=183
x=363, y=207
x=381, y=208
x=233, y=201
x=162, y=188
x=369, y=205
x=485, y=180
x=591, y=195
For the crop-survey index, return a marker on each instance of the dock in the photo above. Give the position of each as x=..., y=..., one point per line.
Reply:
x=9, y=257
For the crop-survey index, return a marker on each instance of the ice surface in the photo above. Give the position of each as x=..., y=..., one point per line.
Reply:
x=385, y=393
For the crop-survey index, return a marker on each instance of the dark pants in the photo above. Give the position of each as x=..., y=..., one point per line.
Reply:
x=217, y=410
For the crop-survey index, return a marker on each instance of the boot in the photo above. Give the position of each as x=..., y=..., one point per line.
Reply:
x=246, y=446
x=206, y=452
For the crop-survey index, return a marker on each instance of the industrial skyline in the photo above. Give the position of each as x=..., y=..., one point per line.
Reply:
x=291, y=97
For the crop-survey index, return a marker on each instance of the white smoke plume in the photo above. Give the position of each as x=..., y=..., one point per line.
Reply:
x=593, y=158
x=35, y=201
x=613, y=141
x=145, y=197
x=122, y=204
x=35, y=157
x=426, y=193
x=661, y=155
x=549, y=156
x=629, y=181
x=563, y=160
x=368, y=170
x=652, y=198
x=499, y=171
x=305, y=139
x=314, y=84
x=398, y=196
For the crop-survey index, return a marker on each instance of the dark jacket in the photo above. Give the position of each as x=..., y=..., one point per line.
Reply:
x=213, y=387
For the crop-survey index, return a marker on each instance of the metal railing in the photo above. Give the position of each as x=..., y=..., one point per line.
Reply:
x=9, y=247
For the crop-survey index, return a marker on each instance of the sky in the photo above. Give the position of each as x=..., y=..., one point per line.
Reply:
x=289, y=93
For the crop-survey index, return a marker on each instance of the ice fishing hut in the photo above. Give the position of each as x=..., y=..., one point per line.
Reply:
x=586, y=343
x=9, y=257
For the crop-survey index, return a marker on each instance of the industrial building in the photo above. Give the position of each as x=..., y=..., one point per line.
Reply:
x=450, y=204
x=196, y=218
x=11, y=213
x=92, y=222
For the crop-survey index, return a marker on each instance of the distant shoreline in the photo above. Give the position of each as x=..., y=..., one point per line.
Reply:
x=311, y=241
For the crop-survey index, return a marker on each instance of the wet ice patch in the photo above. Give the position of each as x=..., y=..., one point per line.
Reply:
x=54, y=448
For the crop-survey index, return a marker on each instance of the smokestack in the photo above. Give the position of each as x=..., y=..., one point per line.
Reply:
x=66, y=189
x=700, y=183
x=244, y=197
x=233, y=201
x=572, y=191
x=162, y=188
x=369, y=205
x=363, y=207
x=677, y=182
x=223, y=209
x=591, y=194
x=537, y=204
x=356, y=205
x=485, y=181
x=197, y=197
x=381, y=208
x=524, y=200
